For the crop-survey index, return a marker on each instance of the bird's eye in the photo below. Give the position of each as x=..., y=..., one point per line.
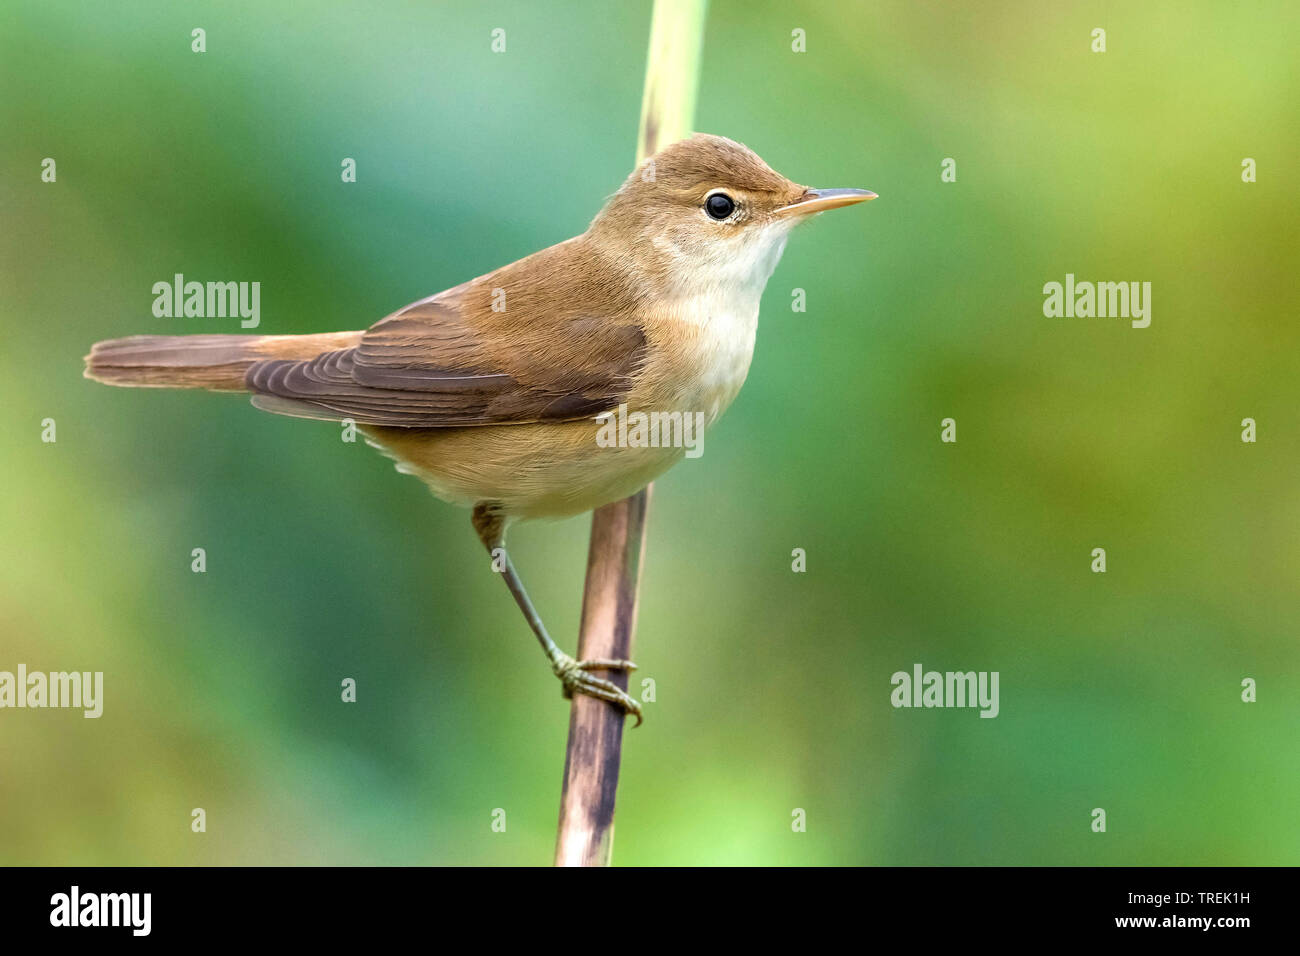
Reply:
x=719, y=206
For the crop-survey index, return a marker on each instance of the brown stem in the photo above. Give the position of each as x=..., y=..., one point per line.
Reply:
x=591, y=764
x=586, y=834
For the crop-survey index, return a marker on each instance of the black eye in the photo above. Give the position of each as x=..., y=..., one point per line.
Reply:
x=719, y=206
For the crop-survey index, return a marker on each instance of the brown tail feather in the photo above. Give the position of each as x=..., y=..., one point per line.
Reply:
x=215, y=362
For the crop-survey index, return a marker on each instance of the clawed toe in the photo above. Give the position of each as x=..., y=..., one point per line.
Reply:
x=575, y=678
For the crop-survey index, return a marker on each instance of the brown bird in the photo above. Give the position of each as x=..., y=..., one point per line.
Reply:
x=502, y=394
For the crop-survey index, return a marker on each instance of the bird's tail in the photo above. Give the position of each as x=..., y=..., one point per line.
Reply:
x=216, y=362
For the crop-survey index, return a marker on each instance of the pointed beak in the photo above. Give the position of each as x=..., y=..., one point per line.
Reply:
x=819, y=200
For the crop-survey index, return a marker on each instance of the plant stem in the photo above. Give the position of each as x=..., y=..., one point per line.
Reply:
x=609, y=603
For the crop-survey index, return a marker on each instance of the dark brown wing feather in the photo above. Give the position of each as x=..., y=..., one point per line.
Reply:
x=451, y=361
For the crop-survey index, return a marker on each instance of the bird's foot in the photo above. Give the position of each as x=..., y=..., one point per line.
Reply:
x=575, y=676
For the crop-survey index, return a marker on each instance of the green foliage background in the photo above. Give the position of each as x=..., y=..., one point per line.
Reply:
x=1118, y=691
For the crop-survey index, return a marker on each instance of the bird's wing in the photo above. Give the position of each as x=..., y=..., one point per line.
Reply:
x=453, y=361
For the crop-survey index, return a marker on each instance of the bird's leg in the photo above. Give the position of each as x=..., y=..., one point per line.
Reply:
x=573, y=674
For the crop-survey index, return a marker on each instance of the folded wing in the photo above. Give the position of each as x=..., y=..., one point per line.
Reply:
x=450, y=361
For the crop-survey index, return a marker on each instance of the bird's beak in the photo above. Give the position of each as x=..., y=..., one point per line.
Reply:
x=819, y=200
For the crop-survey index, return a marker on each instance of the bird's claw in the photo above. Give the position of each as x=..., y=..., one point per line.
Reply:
x=575, y=678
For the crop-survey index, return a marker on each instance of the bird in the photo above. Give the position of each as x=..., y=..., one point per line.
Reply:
x=496, y=393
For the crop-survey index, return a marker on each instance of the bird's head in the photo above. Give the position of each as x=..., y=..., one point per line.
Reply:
x=707, y=212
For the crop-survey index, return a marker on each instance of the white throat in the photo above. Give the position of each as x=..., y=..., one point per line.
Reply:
x=734, y=269
x=718, y=291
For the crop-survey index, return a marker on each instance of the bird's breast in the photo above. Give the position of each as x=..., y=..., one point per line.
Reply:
x=701, y=351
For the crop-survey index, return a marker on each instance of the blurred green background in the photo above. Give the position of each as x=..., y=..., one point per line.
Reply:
x=1118, y=690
